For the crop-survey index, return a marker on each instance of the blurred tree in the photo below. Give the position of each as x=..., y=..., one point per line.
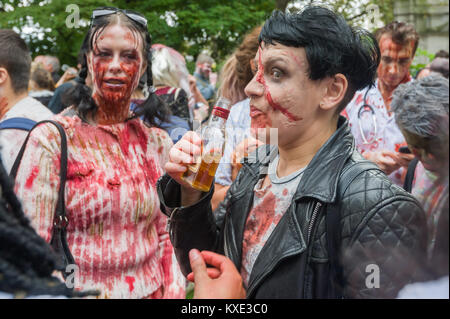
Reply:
x=370, y=14
x=189, y=26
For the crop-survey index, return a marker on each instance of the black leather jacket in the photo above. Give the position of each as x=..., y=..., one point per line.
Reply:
x=381, y=228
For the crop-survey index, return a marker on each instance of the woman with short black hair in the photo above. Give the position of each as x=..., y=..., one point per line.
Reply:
x=305, y=216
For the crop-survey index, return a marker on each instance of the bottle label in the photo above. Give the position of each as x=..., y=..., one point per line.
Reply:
x=221, y=112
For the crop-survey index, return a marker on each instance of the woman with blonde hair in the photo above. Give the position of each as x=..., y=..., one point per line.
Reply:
x=174, y=84
x=236, y=74
x=116, y=231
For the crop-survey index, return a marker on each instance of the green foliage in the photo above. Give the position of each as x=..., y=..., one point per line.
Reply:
x=421, y=59
x=215, y=25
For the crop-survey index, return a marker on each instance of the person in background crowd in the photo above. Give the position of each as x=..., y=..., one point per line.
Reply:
x=60, y=100
x=116, y=233
x=174, y=126
x=41, y=85
x=51, y=64
x=15, y=65
x=439, y=65
x=370, y=116
x=236, y=74
x=70, y=73
x=422, y=113
x=200, y=105
x=442, y=54
x=297, y=206
x=170, y=77
x=170, y=70
x=202, y=70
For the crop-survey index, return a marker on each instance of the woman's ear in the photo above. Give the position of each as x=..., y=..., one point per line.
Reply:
x=3, y=76
x=335, y=90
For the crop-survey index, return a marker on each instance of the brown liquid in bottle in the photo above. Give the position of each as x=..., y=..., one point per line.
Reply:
x=200, y=176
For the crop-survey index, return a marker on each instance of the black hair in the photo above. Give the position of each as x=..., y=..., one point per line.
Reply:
x=331, y=45
x=153, y=110
x=15, y=58
x=27, y=262
x=441, y=54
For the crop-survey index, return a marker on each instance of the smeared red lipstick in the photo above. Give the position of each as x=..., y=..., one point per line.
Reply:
x=254, y=111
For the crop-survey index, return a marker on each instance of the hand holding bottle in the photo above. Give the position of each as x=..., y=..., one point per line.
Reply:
x=185, y=152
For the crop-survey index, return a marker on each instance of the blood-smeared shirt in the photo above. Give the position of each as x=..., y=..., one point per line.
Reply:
x=116, y=230
x=379, y=131
x=269, y=205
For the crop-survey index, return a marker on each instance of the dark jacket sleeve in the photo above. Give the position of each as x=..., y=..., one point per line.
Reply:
x=387, y=248
x=189, y=227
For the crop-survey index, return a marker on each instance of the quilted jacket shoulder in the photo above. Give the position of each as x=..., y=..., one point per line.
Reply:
x=383, y=236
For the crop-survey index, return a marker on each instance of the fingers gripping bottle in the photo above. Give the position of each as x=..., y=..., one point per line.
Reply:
x=201, y=174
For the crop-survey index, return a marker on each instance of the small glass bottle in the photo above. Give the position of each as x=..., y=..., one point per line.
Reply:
x=201, y=175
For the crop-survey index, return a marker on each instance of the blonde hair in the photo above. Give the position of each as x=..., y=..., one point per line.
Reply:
x=230, y=86
x=236, y=72
x=169, y=68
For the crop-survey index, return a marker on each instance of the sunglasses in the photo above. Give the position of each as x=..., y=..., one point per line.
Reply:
x=133, y=15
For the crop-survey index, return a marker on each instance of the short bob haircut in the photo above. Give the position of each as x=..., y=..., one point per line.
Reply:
x=331, y=46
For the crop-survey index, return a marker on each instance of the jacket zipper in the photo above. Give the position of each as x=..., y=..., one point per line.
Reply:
x=169, y=220
x=313, y=219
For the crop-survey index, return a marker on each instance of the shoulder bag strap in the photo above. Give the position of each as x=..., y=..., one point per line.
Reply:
x=409, y=178
x=60, y=221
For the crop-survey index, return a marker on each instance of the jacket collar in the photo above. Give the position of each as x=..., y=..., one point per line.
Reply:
x=321, y=177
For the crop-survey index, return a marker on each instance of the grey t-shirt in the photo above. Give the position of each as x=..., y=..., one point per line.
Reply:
x=269, y=205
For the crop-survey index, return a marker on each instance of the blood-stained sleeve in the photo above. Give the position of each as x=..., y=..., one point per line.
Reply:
x=37, y=179
x=174, y=281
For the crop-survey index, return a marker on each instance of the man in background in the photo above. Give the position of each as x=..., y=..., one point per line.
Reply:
x=370, y=117
x=202, y=72
x=51, y=64
x=15, y=65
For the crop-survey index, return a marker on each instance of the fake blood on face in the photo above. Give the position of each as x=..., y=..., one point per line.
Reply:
x=260, y=78
x=115, y=87
x=116, y=64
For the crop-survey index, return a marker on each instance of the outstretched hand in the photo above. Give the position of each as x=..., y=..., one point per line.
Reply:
x=223, y=281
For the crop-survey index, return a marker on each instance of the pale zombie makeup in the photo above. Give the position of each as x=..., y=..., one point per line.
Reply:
x=281, y=92
x=395, y=61
x=433, y=156
x=116, y=65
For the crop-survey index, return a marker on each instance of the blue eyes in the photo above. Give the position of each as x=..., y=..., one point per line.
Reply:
x=276, y=74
